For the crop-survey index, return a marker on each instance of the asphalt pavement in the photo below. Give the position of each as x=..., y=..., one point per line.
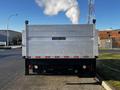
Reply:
x=11, y=66
x=12, y=76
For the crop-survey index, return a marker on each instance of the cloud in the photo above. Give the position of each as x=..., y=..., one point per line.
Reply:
x=53, y=7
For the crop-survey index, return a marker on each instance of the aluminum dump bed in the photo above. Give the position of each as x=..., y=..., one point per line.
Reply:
x=60, y=41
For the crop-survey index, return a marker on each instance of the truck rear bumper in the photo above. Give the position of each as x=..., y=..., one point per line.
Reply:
x=85, y=67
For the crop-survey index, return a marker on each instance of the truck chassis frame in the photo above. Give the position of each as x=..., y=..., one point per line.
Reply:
x=84, y=67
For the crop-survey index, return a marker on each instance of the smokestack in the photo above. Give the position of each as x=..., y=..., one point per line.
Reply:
x=53, y=7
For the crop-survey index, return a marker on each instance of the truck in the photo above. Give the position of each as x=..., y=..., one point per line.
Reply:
x=71, y=47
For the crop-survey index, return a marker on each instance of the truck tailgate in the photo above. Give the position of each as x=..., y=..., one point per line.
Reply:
x=60, y=41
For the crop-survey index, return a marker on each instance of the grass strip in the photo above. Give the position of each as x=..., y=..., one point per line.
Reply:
x=109, y=56
x=108, y=66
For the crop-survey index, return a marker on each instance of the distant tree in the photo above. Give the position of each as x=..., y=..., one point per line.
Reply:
x=14, y=41
x=17, y=40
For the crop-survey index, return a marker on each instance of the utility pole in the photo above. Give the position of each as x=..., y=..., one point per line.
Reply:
x=91, y=12
x=8, y=27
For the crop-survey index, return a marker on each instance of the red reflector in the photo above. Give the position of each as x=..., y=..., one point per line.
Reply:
x=76, y=56
x=66, y=56
x=30, y=66
x=47, y=56
x=37, y=57
x=57, y=56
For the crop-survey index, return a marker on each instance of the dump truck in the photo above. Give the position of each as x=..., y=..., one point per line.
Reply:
x=48, y=47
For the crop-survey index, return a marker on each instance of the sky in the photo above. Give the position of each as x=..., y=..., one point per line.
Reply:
x=107, y=14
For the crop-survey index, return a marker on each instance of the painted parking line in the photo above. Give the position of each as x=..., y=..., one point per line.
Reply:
x=113, y=69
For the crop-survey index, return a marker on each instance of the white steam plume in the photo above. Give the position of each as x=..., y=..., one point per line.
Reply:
x=53, y=7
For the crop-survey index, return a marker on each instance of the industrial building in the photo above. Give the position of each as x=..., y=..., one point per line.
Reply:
x=109, y=39
x=10, y=36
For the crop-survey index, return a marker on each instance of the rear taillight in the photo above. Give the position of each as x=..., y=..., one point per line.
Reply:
x=30, y=66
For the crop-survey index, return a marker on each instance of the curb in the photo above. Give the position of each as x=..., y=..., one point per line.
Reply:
x=104, y=83
x=5, y=48
x=11, y=47
x=15, y=47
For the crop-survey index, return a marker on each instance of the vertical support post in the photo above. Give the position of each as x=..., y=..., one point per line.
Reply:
x=26, y=34
x=27, y=55
x=91, y=12
x=26, y=67
x=7, y=43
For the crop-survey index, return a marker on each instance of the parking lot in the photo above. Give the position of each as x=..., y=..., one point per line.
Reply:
x=12, y=76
